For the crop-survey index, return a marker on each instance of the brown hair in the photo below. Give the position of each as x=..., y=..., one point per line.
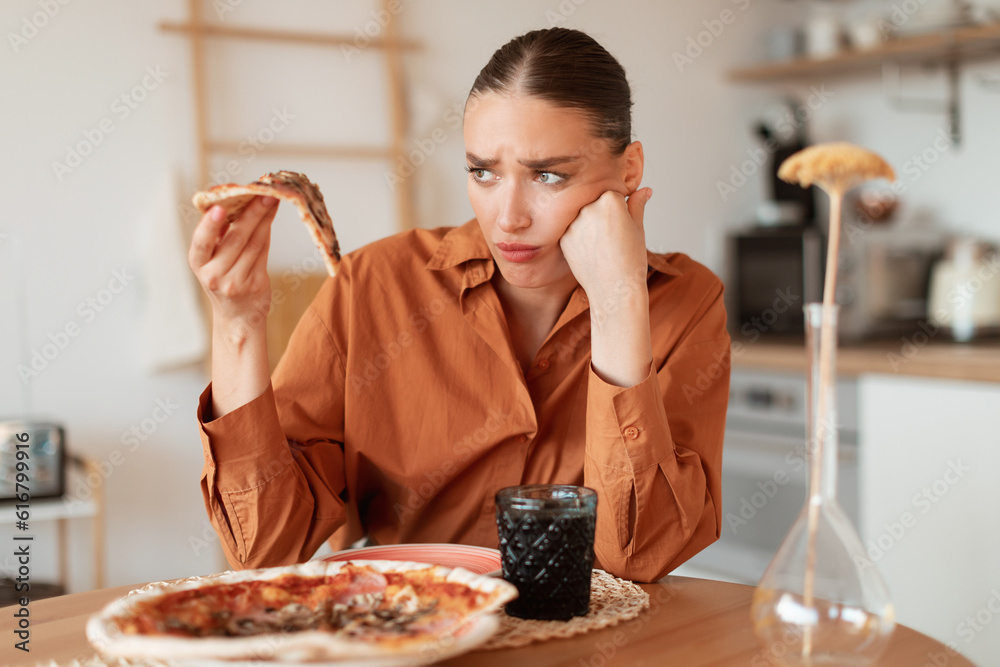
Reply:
x=569, y=69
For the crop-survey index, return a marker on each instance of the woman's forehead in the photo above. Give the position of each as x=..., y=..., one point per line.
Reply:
x=527, y=128
x=519, y=106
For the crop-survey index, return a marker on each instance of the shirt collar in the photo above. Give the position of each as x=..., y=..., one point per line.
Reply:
x=466, y=244
x=659, y=263
x=460, y=245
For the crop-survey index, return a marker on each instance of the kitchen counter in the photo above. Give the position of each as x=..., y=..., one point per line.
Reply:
x=918, y=356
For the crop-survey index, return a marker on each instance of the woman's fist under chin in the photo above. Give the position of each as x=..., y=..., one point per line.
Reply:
x=605, y=245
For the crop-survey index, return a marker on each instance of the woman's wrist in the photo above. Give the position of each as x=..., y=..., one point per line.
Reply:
x=239, y=331
x=627, y=287
x=621, y=345
x=240, y=367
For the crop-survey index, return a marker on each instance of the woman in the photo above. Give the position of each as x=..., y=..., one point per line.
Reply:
x=539, y=342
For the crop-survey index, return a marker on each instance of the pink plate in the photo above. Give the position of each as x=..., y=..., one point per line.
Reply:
x=478, y=560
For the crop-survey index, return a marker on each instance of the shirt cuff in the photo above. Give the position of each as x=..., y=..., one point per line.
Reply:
x=246, y=446
x=627, y=427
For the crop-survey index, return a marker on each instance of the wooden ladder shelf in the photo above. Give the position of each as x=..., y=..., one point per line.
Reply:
x=198, y=30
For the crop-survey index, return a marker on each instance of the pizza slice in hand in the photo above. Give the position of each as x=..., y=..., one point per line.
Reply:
x=288, y=185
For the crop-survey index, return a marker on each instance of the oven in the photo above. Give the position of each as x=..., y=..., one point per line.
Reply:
x=765, y=470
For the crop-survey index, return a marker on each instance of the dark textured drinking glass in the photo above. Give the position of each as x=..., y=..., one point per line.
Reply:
x=547, y=546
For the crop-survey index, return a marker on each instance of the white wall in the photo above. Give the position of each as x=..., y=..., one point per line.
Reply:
x=61, y=240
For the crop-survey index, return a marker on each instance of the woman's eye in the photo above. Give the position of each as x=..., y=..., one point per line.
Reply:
x=481, y=175
x=548, y=178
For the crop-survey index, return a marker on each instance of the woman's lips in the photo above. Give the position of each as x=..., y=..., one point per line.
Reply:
x=518, y=252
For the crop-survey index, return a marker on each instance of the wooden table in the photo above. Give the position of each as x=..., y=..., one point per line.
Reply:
x=690, y=623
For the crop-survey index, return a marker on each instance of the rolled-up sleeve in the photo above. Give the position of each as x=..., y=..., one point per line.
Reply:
x=654, y=455
x=275, y=490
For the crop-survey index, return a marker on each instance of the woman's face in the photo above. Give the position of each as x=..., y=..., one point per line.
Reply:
x=532, y=167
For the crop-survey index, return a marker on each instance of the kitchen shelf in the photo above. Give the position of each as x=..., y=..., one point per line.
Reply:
x=941, y=46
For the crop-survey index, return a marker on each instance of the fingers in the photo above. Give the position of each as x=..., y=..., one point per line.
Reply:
x=257, y=214
x=230, y=259
x=206, y=236
x=253, y=253
x=238, y=240
x=230, y=243
x=637, y=204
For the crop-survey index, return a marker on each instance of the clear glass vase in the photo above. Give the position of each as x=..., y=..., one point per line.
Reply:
x=821, y=600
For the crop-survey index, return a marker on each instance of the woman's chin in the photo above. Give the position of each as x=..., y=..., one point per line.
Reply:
x=530, y=277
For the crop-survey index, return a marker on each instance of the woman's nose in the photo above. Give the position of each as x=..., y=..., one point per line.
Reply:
x=515, y=210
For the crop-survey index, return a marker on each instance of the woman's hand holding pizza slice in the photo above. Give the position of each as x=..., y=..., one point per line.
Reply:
x=229, y=257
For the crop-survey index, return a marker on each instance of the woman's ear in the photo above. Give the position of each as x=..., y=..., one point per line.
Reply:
x=631, y=164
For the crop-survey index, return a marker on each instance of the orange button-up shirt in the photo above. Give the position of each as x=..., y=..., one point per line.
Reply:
x=399, y=409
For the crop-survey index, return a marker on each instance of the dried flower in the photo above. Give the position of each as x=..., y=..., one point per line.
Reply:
x=836, y=167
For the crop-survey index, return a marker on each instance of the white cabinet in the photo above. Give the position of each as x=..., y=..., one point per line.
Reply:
x=929, y=483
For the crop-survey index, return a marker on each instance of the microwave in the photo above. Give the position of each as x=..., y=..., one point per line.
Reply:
x=37, y=451
x=771, y=273
x=882, y=282
x=884, y=279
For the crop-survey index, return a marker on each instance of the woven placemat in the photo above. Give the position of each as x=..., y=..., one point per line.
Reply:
x=612, y=600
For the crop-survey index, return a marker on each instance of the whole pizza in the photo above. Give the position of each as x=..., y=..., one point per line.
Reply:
x=313, y=612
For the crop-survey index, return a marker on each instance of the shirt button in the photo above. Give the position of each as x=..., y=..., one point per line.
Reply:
x=544, y=364
x=631, y=432
x=522, y=438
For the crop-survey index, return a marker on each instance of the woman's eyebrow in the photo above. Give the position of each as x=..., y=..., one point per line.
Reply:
x=481, y=162
x=542, y=164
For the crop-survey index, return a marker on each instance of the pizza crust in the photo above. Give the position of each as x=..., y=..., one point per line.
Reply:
x=106, y=635
x=290, y=186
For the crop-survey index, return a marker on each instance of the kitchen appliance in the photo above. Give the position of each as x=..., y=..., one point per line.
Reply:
x=782, y=132
x=884, y=274
x=772, y=272
x=765, y=470
x=884, y=277
x=964, y=293
x=42, y=455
